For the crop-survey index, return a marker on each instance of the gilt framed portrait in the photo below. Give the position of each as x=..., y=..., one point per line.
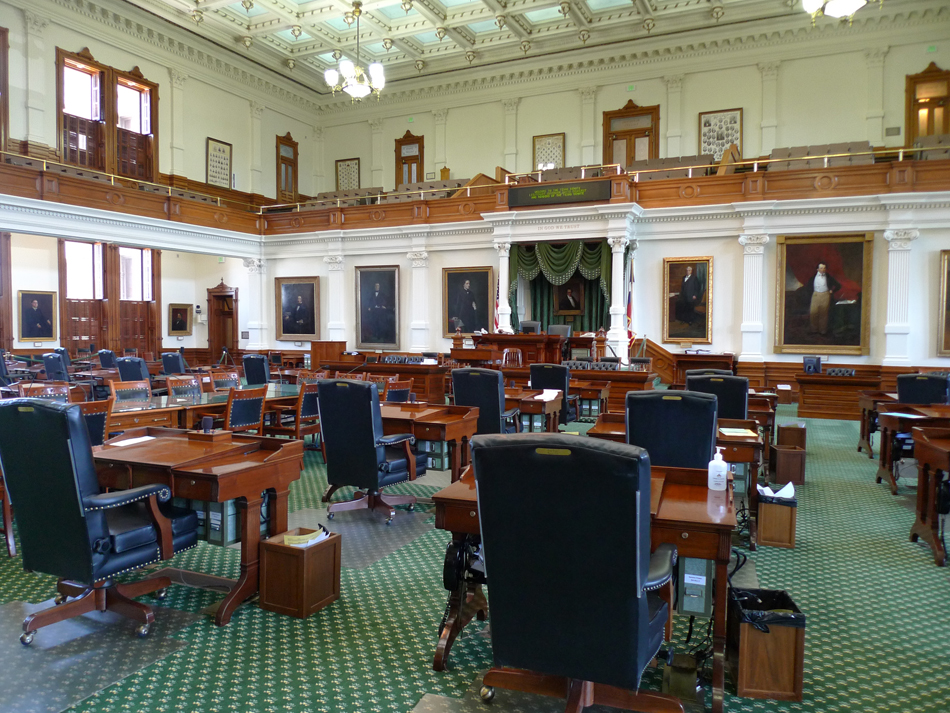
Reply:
x=718, y=129
x=297, y=300
x=377, y=307
x=823, y=299
x=179, y=320
x=943, y=310
x=37, y=316
x=468, y=300
x=569, y=297
x=687, y=300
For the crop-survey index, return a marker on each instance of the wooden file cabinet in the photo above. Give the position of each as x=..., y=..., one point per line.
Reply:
x=299, y=581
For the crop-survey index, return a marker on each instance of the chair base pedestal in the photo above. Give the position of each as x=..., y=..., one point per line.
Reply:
x=369, y=500
x=579, y=694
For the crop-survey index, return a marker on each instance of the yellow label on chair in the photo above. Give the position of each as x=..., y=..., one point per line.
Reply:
x=553, y=451
x=26, y=409
x=672, y=398
x=715, y=379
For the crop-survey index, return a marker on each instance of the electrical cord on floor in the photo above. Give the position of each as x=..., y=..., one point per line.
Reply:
x=741, y=558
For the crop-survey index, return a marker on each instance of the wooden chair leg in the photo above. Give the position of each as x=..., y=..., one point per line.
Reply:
x=8, y=526
x=329, y=494
x=119, y=603
x=83, y=604
x=360, y=501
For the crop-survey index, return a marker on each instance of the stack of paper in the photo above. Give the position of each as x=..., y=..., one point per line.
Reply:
x=549, y=394
x=311, y=538
x=133, y=441
x=738, y=432
x=785, y=493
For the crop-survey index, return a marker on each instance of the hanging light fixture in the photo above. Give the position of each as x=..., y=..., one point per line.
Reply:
x=837, y=9
x=351, y=77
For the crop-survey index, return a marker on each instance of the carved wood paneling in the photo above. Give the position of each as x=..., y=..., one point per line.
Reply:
x=664, y=362
x=133, y=319
x=83, y=325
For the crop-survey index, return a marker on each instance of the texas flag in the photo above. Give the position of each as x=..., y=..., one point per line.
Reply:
x=631, y=335
x=497, y=295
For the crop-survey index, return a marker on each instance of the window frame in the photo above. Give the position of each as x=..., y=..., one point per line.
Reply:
x=98, y=285
x=4, y=88
x=932, y=73
x=287, y=140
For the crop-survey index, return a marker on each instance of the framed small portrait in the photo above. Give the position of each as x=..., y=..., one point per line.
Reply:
x=468, y=300
x=548, y=152
x=569, y=297
x=179, y=320
x=347, y=174
x=37, y=316
x=718, y=129
x=687, y=300
x=943, y=310
x=298, y=308
x=377, y=307
x=823, y=303
x=218, y=163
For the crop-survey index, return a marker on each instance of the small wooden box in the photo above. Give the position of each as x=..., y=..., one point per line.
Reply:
x=787, y=464
x=785, y=396
x=299, y=581
x=777, y=525
x=792, y=434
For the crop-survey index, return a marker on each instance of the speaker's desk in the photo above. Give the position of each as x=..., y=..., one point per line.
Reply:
x=932, y=451
x=684, y=512
x=823, y=396
x=901, y=418
x=870, y=402
x=214, y=468
x=428, y=380
x=535, y=348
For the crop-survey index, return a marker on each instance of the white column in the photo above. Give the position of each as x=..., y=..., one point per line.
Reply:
x=874, y=58
x=588, y=125
x=318, y=185
x=178, y=79
x=617, y=334
x=419, y=302
x=336, y=324
x=753, y=296
x=257, y=171
x=897, y=329
x=769, y=122
x=256, y=322
x=504, y=307
x=36, y=90
x=511, y=134
x=440, y=115
x=376, y=126
x=674, y=91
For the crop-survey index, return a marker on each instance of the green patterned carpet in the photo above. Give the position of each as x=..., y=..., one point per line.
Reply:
x=878, y=634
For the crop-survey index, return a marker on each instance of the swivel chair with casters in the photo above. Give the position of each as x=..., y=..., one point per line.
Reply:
x=557, y=376
x=62, y=351
x=57, y=369
x=357, y=452
x=485, y=388
x=7, y=530
x=595, y=652
x=530, y=326
x=732, y=392
x=256, y=370
x=107, y=359
x=173, y=363
x=72, y=531
x=562, y=330
x=677, y=428
x=135, y=369
x=922, y=389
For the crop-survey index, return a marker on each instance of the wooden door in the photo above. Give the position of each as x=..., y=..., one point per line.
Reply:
x=83, y=325
x=286, y=169
x=410, y=159
x=928, y=103
x=631, y=134
x=222, y=320
x=133, y=325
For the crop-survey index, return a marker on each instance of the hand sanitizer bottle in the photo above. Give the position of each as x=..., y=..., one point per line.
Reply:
x=717, y=471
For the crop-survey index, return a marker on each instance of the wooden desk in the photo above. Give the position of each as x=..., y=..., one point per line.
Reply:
x=684, y=512
x=486, y=357
x=932, y=451
x=869, y=402
x=429, y=422
x=428, y=380
x=902, y=418
x=590, y=391
x=684, y=362
x=158, y=411
x=232, y=468
x=535, y=348
x=823, y=396
x=529, y=403
x=617, y=383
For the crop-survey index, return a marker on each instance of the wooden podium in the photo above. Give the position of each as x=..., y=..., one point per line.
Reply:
x=535, y=348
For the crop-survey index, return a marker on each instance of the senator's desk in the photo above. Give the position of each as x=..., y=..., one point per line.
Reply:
x=535, y=348
x=590, y=391
x=684, y=512
x=481, y=357
x=231, y=467
x=870, y=402
x=428, y=380
x=617, y=383
x=823, y=396
x=529, y=403
x=901, y=418
x=434, y=422
x=932, y=451
x=684, y=362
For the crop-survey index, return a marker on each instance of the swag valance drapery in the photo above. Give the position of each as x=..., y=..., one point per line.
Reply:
x=558, y=263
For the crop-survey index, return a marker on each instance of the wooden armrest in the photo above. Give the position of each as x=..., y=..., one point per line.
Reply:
x=410, y=459
x=164, y=525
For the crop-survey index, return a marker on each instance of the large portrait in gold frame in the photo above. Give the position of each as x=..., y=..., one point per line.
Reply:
x=468, y=300
x=38, y=318
x=687, y=300
x=823, y=299
x=943, y=310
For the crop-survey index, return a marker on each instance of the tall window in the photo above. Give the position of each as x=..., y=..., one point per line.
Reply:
x=82, y=142
x=286, y=168
x=927, y=94
x=83, y=271
x=135, y=275
x=4, y=87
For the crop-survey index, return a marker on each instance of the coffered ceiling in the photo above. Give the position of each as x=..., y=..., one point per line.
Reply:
x=418, y=37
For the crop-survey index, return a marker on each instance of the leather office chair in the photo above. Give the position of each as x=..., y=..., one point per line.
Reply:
x=527, y=490
x=173, y=363
x=357, y=452
x=922, y=389
x=560, y=330
x=394, y=359
x=130, y=390
x=184, y=386
x=244, y=411
x=398, y=391
x=107, y=359
x=72, y=531
x=135, y=369
x=677, y=428
x=556, y=376
x=6, y=379
x=485, y=388
x=839, y=371
x=530, y=326
x=98, y=416
x=55, y=367
x=732, y=392
x=604, y=365
x=7, y=521
x=708, y=372
x=256, y=370
x=62, y=351
x=299, y=420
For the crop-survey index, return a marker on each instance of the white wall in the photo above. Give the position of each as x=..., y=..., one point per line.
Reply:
x=35, y=269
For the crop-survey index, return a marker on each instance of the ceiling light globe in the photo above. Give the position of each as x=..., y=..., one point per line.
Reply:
x=812, y=6
x=376, y=73
x=843, y=8
x=331, y=77
x=357, y=91
x=347, y=69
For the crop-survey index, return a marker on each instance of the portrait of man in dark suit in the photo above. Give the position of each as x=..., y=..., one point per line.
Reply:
x=378, y=313
x=569, y=297
x=691, y=294
x=37, y=316
x=468, y=298
x=298, y=308
x=687, y=287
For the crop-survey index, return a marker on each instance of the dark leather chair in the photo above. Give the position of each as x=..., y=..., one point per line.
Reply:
x=55, y=367
x=677, y=428
x=556, y=376
x=98, y=415
x=530, y=326
x=840, y=371
x=107, y=359
x=604, y=365
x=173, y=363
x=540, y=570
x=244, y=411
x=256, y=370
x=485, y=388
x=922, y=389
x=560, y=330
x=398, y=391
x=62, y=351
x=135, y=369
x=576, y=364
x=72, y=531
x=732, y=393
x=708, y=372
x=357, y=452
x=394, y=359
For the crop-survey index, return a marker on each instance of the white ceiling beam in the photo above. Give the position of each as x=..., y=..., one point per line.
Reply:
x=644, y=7
x=510, y=23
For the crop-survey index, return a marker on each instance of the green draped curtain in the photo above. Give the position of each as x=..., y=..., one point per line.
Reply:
x=596, y=307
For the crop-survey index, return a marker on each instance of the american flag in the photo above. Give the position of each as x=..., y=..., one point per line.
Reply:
x=631, y=335
x=497, y=295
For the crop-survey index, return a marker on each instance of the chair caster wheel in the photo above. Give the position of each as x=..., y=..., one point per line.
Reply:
x=26, y=638
x=330, y=515
x=60, y=599
x=162, y=594
x=412, y=507
x=389, y=521
x=487, y=694
x=142, y=631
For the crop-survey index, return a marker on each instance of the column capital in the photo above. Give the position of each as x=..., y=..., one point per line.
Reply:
x=334, y=263
x=588, y=94
x=419, y=259
x=874, y=57
x=376, y=126
x=503, y=248
x=900, y=239
x=440, y=115
x=674, y=82
x=35, y=23
x=318, y=133
x=618, y=243
x=753, y=244
x=769, y=70
x=255, y=266
x=178, y=78
x=257, y=110
x=511, y=105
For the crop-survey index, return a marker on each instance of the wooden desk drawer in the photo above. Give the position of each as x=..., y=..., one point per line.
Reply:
x=456, y=518
x=428, y=433
x=739, y=454
x=194, y=489
x=139, y=419
x=689, y=543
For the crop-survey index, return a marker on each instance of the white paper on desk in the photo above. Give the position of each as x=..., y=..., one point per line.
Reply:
x=738, y=432
x=133, y=441
x=317, y=538
x=786, y=492
x=430, y=362
x=764, y=490
x=902, y=415
x=549, y=394
x=783, y=387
